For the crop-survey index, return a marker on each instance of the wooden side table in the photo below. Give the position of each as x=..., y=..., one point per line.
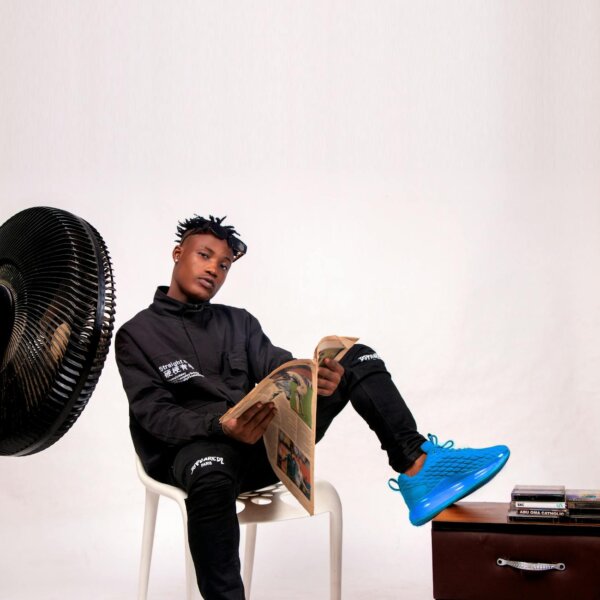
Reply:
x=479, y=555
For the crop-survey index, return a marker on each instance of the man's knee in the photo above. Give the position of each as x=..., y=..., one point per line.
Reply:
x=361, y=355
x=362, y=361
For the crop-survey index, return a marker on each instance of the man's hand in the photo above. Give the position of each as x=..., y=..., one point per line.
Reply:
x=251, y=424
x=329, y=377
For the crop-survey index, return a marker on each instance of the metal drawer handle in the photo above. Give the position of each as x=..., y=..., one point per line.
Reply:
x=527, y=566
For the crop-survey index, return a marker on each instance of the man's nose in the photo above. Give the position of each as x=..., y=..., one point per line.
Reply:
x=211, y=268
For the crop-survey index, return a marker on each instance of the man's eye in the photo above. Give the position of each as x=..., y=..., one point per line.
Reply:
x=225, y=267
x=203, y=255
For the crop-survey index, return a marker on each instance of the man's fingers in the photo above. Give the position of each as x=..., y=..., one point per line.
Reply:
x=324, y=374
x=331, y=370
x=254, y=429
x=334, y=365
x=262, y=421
x=329, y=377
x=251, y=424
x=251, y=412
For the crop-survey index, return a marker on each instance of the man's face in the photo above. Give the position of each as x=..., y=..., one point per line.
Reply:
x=202, y=262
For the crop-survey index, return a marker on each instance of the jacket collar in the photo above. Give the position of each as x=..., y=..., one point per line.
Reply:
x=165, y=305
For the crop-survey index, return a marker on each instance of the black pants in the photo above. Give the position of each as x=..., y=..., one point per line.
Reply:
x=214, y=472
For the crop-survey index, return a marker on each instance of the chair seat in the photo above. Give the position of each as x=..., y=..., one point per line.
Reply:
x=276, y=503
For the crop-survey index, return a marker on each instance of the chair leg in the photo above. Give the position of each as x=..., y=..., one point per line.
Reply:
x=249, y=557
x=335, y=554
x=147, y=542
x=190, y=571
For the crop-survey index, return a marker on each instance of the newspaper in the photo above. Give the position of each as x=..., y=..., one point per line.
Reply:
x=290, y=437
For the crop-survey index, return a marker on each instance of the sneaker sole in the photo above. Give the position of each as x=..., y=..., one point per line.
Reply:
x=440, y=499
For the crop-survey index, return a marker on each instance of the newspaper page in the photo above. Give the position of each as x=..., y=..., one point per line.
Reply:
x=290, y=437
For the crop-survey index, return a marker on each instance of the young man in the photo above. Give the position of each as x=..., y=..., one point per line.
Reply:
x=184, y=361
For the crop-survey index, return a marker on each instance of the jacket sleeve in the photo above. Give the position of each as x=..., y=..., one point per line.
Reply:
x=263, y=356
x=153, y=405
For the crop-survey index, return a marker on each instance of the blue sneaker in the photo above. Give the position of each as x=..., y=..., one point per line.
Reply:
x=448, y=475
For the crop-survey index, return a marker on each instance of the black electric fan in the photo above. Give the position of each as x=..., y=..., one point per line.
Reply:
x=57, y=307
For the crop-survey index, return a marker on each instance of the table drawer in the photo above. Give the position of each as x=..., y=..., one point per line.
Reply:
x=465, y=566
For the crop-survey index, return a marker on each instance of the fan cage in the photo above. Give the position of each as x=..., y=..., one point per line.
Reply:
x=57, y=271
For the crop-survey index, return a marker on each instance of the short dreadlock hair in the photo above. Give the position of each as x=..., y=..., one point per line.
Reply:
x=212, y=225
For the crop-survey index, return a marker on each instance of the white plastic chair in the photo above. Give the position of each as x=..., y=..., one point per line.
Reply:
x=274, y=503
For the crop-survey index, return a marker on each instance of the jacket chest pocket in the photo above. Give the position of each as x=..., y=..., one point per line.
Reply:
x=236, y=370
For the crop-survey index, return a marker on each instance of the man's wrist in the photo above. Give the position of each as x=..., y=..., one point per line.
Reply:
x=216, y=427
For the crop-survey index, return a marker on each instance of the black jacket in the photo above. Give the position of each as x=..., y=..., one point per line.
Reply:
x=183, y=366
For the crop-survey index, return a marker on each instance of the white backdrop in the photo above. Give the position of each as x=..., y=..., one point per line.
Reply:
x=425, y=175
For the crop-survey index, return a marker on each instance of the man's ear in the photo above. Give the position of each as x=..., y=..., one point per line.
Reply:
x=177, y=253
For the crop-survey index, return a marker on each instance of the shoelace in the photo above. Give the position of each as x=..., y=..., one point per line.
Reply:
x=434, y=440
x=393, y=482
